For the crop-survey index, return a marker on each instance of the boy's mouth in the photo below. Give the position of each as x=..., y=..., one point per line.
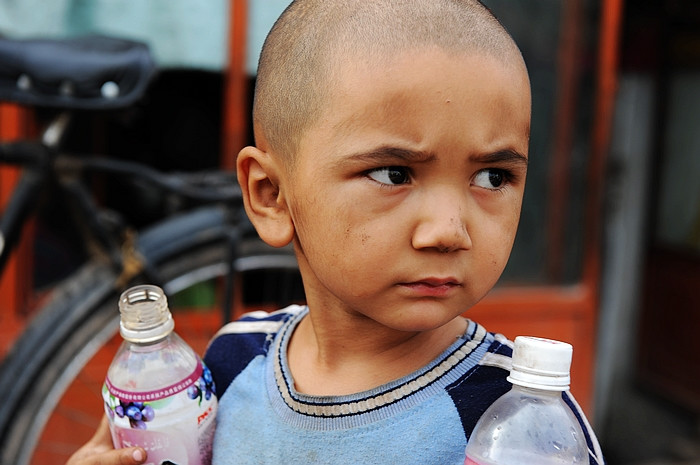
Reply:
x=432, y=287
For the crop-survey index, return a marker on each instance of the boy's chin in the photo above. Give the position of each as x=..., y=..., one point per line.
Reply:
x=424, y=323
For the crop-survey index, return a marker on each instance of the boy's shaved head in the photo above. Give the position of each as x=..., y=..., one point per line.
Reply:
x=310, y=41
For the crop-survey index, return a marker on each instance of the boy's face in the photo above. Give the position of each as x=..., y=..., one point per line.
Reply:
x=406, y=195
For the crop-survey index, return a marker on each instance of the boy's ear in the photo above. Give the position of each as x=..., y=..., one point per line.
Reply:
x=259, y=176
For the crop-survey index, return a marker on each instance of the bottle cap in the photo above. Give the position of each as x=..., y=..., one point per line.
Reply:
x=541, y=363
x=145, y=316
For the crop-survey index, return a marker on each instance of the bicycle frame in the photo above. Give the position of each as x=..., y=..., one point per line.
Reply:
x=43, y=162
x=65, y=75
x=213, y=241
x=93, y=73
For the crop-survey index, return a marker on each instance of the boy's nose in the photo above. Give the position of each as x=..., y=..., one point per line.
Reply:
x=442, y=227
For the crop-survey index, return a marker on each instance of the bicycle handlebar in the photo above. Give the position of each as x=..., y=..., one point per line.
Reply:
x=220, y=186
x=209, y=186
x=23, y=153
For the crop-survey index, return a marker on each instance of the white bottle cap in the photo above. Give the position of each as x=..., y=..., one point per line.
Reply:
x=541, y=363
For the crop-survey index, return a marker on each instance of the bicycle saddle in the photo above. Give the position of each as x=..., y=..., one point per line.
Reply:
x=93, y=72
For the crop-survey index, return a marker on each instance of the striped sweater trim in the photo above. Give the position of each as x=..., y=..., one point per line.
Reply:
x=343, y=406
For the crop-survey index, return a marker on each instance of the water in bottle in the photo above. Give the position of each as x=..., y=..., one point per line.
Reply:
x=158, y=394
x=531, y=423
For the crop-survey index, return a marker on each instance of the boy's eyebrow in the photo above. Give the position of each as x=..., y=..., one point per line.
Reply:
x=501, y=156
x=389, y=154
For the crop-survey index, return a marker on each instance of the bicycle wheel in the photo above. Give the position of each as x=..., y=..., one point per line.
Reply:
x=51, y=380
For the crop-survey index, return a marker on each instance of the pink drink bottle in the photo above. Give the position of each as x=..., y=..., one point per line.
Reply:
x=158, y=394
x=531, y=423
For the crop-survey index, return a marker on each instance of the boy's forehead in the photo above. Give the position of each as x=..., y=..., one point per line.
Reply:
x=407, y=97
x=344, y=68
x=393, y=82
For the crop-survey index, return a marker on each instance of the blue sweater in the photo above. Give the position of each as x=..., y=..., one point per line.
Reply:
x=423, y=418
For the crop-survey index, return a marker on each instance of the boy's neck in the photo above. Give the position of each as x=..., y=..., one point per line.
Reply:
x=358, y=354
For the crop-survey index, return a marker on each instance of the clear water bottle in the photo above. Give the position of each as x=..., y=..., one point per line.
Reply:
x=531, y=423
x=158, y=394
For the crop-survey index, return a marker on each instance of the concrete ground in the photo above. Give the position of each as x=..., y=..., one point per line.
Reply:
x=643, y=429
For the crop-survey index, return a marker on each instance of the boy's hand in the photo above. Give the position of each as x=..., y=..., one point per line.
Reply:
x=99, y=451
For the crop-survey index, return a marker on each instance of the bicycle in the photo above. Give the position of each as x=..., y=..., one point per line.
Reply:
x=206, y=237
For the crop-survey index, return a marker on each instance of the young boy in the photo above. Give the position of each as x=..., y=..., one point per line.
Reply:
x=391, y=151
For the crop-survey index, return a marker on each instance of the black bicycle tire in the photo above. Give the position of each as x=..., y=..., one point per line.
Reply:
x=72, y=301
x=62, y=335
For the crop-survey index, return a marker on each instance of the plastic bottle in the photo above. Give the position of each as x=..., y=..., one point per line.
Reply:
x=158, y=394
x=531, y=423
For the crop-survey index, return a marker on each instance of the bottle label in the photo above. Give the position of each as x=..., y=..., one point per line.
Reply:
x=174, y=424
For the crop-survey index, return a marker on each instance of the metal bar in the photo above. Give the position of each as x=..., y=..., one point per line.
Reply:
x=568, y=73
x=235, y=123
x=606, y=83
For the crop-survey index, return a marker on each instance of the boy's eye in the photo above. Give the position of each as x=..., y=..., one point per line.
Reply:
x=490, y=178
x=392, y=175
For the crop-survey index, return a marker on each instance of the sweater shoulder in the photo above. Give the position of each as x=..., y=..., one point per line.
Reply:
x=237, y=343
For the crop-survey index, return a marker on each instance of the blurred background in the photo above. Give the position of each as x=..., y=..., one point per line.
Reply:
x=608, y=252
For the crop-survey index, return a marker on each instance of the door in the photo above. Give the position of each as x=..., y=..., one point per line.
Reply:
x=671, y=301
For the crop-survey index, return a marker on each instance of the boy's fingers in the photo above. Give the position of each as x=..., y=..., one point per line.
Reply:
x=130, y=456
x=102, y=435
x=99, y=451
